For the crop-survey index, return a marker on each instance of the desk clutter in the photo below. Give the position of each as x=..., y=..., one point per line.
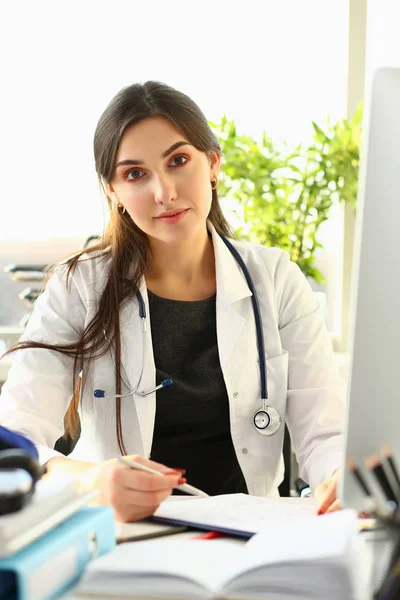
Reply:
x=379, y=481
x=302, y=558
x=51, y=542
x=293, y=552
x=47, y=532
x=53, y=563
x=45, y=546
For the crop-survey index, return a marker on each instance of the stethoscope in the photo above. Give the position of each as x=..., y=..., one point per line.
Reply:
x=267, y=420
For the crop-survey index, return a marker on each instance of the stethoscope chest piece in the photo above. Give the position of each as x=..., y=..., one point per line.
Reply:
x=267, y=421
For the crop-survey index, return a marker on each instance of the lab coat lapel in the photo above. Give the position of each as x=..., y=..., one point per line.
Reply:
x=231, y=287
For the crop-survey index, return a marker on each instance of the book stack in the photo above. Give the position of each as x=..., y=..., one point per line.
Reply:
x=45, y=547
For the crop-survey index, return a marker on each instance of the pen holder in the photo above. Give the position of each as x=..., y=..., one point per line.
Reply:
x=382, y=469
x=390, y=588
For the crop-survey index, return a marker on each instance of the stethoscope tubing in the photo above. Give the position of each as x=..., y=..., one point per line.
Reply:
x=262, y=418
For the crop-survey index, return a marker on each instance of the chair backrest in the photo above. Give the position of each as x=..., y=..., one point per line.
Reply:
x=285, y=487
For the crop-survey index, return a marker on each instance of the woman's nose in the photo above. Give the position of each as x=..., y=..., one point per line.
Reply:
x=164, y=190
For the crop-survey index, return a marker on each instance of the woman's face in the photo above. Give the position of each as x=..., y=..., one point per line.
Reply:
x=163, y=181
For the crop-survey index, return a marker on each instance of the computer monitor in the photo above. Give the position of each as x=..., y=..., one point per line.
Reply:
x=373, y=402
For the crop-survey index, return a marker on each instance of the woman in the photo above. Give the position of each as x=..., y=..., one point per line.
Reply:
x=158, y=163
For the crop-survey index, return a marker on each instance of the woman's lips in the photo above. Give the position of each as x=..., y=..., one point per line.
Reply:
x=174, y=218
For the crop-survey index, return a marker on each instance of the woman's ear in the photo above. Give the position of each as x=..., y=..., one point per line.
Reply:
x=110, y=193
x=215, y=165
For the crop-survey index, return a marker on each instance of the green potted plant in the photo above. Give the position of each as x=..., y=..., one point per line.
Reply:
x=282, y=197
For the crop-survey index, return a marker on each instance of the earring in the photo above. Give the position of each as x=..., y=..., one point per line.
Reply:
x=121, y=212
x=214, y=184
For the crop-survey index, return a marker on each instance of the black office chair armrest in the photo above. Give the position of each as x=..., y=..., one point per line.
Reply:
x=26, y=272
x=302, y=487
x=29, y=294
x=14, y=268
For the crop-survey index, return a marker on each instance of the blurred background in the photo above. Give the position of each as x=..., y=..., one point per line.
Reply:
x=283, y=82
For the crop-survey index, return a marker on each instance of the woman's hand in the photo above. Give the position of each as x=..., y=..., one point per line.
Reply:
x=131, y=493
x=326, y=494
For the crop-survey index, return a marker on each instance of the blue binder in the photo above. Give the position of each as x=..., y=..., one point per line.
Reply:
x=53, y=563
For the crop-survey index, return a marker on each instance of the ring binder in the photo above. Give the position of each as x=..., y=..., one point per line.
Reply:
x=53, y=563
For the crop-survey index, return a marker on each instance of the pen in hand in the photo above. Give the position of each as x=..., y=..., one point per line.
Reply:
x=185, y=487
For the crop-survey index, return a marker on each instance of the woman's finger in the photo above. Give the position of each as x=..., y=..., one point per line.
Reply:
x=118, y=496
x=328, y=497
x=334, y=506
x=147, y=499
x=131, y=479
x=153, y=464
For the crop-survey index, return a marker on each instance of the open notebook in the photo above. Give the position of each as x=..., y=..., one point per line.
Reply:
x=320, y=557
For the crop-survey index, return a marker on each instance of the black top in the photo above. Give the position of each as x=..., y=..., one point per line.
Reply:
x=192, y=429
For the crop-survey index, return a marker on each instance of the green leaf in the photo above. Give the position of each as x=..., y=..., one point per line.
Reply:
x=284, y=196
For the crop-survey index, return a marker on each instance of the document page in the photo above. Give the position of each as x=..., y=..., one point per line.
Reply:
x=323, y=557
x=236, y=511
x=153, y=567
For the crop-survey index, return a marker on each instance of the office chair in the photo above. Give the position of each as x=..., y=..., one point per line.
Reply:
x=298, y=487
x=29, y=273
x=34, y=273
x=285, y=486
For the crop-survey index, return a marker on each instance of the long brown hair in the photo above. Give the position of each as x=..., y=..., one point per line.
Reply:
x=123, y=242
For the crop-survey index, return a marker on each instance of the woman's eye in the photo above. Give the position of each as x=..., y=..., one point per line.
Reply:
x=134, y=174
x=178, y=160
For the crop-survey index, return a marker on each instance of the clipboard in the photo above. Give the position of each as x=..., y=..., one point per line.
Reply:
x=204, y=527
x=145, y=530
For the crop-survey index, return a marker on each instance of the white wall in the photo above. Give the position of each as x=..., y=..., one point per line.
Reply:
x=269, y=65
x=383, y=36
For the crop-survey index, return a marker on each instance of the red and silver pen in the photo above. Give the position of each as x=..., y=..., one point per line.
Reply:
x=209, y=535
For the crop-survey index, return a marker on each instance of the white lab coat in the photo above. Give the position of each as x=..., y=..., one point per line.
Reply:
x=303, y=382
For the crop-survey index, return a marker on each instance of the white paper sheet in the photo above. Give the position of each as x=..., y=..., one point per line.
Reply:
x=236, y=511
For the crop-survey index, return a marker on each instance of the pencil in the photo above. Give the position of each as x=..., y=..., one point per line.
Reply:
x=391, y=586
x=353, y=468
x=374, y=463
x=388, y=455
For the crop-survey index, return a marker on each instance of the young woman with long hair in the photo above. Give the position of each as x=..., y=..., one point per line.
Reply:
x=163, y=296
